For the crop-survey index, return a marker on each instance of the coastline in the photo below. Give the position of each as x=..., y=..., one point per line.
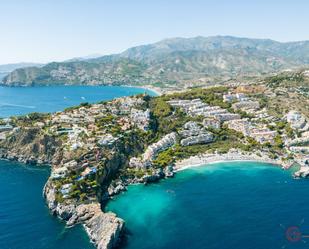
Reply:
x=231, y=156
x=91, y=214
x=157, y=90
x=226, y=161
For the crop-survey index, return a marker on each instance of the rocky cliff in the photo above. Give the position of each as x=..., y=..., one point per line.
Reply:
x=104, y=229
x=31, y=145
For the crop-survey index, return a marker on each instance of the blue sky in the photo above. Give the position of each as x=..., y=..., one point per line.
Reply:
x=55, y=30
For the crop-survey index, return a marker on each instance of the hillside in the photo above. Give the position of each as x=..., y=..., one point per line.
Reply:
x=181, y=60
x=6, y=68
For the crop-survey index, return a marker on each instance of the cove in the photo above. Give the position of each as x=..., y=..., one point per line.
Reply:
x=23, y=100
x=223, y=205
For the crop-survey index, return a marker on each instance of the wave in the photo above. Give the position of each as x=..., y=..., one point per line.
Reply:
x=14, y=105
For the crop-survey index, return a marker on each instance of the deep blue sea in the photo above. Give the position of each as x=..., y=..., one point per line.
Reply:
x=25, y=221
x=237, y=205
x=23, y=100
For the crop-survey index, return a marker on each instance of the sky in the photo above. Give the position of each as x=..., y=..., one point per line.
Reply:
x=55, y=30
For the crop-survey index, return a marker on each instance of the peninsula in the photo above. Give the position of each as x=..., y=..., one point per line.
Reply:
x=96, y=150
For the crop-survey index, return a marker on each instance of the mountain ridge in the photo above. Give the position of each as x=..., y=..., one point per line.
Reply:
x=171, y=61
x=7, y=68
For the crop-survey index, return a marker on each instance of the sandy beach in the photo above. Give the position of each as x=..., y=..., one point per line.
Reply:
x=156, y=90
x=204, y=159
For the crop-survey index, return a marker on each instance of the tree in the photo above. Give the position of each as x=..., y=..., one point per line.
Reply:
x=278, y=142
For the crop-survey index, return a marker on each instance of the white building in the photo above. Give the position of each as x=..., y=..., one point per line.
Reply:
x=164, y=143
x=140, y=118
x=203, y=138
x=234, y=97
x=213, y=123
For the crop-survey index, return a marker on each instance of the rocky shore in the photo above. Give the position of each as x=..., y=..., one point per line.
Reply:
x=26, y=159
x=104, y=229
x=116, y=187
x=303, y=172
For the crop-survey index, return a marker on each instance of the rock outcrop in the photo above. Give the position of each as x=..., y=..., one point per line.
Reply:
x=31, y=146
x=303, y=172
x=104, y=229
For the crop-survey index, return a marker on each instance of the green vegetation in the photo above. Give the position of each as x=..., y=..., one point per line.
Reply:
x=211, y=96
x=225, y=139
x=34, y=116
x=278, y=142
x=161, y=108
x=85, y=104
x=166, y=119
x=282, y=79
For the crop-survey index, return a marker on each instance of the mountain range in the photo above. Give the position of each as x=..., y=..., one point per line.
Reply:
x=170, y=61
x=6, y=68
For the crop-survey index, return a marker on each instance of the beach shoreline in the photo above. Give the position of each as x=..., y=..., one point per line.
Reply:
x=231, y=156
x=225, y=161
x=158, y=91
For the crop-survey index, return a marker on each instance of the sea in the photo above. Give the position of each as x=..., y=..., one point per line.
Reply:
x=25, y=221
x=243, y=205
x=23, y=100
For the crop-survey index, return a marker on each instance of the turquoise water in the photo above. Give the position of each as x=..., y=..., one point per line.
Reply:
x=23, y=100
x=25, y=221
x=227, y=205
x=222, y=206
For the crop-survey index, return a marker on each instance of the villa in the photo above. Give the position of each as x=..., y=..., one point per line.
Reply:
x=59, y=173
x=107, y=140
x=140, y=118
x=296, y=120
x=234, y=97
x=65, y=190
